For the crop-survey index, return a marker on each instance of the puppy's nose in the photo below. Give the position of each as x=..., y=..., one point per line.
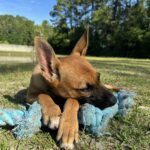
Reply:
x=112, y=100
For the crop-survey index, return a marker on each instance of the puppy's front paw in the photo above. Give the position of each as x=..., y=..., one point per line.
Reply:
x=68, y=131
x=51, y=116
x=54, y=122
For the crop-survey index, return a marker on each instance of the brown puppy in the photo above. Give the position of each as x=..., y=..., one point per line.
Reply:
x=72, y=80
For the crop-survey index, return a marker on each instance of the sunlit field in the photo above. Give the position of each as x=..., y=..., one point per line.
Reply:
x=131, y=132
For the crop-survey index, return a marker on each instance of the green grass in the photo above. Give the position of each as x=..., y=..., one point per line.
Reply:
x=16, y=53
x=131, y=132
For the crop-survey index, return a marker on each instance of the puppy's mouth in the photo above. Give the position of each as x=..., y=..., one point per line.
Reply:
x=100, y=103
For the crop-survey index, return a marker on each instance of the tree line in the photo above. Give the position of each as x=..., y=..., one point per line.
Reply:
x=117, y=27
x=20, y=30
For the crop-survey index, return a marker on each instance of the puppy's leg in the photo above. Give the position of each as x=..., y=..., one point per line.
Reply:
x=68, y=127
x=51, y=111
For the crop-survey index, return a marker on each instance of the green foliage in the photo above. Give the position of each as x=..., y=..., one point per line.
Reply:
x=45, y=30
x=20, y=30
x=16, y=30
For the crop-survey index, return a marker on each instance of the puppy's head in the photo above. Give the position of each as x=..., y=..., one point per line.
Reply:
x=73, y=76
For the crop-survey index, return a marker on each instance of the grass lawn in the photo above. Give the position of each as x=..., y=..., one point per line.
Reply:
x=131, y=132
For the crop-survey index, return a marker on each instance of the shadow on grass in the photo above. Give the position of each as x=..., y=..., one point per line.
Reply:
x=109, y=64
x=18, y=98
x=53, y=133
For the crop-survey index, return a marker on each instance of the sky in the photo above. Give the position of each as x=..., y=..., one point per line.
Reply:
x=36, y=10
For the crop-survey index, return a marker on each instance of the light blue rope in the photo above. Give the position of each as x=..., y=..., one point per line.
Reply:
x=27, y=122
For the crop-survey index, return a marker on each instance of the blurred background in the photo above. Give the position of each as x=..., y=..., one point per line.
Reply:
x=119, y=28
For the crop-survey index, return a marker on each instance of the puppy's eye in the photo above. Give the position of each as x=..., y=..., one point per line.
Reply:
x=88, y=88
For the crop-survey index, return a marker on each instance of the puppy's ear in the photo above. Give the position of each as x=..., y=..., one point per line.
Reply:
x=82, y=45
x=47, y=59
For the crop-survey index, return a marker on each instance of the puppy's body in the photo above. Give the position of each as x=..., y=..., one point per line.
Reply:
x=71, y=80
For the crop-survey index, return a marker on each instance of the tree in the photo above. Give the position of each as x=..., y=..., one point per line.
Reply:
x=117, y=27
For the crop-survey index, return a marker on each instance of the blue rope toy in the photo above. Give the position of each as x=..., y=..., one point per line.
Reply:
x=27, y=122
